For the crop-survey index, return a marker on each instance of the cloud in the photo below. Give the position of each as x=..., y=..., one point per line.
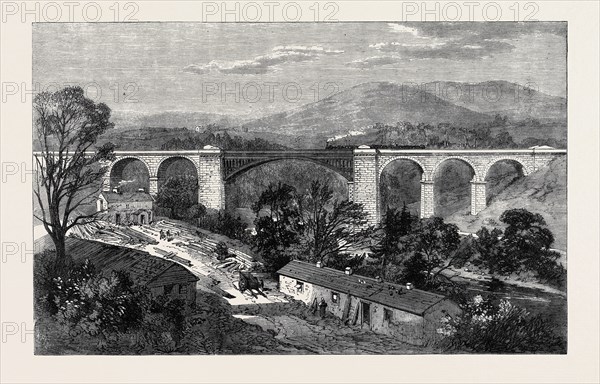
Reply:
x=374, y=61
x=314, y=50
x=403, y=29
x=460, y=41
x=468, y=48
x=490, y=30
x=199, y=69
x=263, y=64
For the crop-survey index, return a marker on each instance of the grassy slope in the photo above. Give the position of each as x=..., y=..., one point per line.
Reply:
x=544, y=192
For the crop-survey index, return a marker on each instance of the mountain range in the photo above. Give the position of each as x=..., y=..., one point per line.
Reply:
x=531, y=113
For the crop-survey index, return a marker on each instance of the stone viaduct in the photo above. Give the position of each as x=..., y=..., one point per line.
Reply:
x=361, y=167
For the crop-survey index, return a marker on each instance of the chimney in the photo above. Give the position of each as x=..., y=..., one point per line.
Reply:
x=319, y=265
x=409, y=286
x=348, y=271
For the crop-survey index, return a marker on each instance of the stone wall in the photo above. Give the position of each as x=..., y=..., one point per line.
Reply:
x=405, y=326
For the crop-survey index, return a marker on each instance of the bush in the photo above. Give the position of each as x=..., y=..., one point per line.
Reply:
x=342, y=261
x=225, y=223
x=89, y=303
x=221, y=250
x=523, y=247
x=103, y=313
x=485, y=326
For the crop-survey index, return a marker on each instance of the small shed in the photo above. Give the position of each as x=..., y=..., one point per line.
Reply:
x=125, y=207
x=161, y=276
x=412, y=315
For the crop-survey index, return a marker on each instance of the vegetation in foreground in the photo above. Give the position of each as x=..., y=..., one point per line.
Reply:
x=83, y=312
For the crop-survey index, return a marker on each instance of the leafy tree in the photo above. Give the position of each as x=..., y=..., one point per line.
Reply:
x=527, y=236
x=485, y=326
x=503, y=140
x=89, y=303
x=68, y=125
x=392, y=228
x=179, y=194
x=331, y=227
x=492, y=252
x=225, y=223
x=481, y=137
x=525, y=246
x=526, y=231
x=280, y=227
x=222, y=250
x=499, y=121
x=196, y=211
x=432, y=247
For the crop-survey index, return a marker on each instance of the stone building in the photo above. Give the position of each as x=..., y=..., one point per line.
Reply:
x=409, y=314
x=125, y=207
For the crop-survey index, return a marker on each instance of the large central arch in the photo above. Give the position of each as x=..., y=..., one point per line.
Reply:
x=243, y=190
x=250, y=166
x=236, y=163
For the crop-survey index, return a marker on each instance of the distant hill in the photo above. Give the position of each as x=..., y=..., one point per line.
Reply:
x=348, y=113
x=359, y=107
x=172, y=119
x=516, y=101
x=152, y=139
x=349, y=116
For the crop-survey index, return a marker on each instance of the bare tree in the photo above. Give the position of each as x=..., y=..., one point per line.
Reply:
x=67, y=125
x=332, y=227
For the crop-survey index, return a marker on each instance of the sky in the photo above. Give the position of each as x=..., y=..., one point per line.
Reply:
x=253, y=70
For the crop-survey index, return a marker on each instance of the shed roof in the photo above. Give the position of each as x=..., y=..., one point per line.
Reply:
x=395, y=296
x=143, y=268
x=126, y=197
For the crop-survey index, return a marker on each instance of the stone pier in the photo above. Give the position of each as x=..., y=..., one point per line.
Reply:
x=427, y=199
x=366, y=191
x=478, y=196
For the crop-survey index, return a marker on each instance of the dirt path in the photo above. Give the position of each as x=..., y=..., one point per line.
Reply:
x=293, y=325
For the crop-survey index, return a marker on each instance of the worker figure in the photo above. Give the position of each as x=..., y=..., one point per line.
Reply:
x=162, y=234
x=169, y=238
x=322, y=307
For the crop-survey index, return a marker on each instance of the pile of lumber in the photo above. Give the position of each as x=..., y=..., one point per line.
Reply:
x=230, y=265
x=201, y=245
x=180, y=231
x=173, y=256
x=112, y=234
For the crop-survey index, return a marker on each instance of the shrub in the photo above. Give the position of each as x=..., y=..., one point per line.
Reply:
x=221, y=250
x=485, y=326
x=225, y=223
x=93, y=304
x=83, y=306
